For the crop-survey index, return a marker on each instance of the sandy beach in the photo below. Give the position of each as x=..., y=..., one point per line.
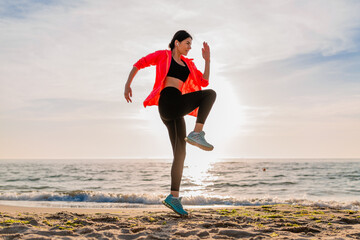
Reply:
x=259, y=222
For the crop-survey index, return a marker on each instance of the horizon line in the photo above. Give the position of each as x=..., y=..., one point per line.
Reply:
x=169, y=158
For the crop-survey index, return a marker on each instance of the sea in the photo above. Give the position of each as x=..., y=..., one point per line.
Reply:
x=143, y=183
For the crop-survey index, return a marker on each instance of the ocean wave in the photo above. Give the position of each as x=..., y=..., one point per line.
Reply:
x=155, y=199
x=30, y=179
x=79, y=196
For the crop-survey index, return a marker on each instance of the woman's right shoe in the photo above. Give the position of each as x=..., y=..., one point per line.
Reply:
x=175, y=205
x=198, y=139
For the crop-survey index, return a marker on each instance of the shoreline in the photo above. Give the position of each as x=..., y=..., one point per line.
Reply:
x=232, y=222
x=39, y=210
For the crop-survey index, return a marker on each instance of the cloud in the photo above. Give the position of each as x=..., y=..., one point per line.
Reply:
x=263, y=31
x=22, y=8
x=66, y=109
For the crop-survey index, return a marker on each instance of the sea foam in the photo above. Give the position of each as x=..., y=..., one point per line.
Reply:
x=83, y=198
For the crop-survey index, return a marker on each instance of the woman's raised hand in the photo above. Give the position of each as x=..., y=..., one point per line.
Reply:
x=128, y=93
x=206, y=51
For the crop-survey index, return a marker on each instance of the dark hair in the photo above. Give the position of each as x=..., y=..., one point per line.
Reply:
x=180, y=36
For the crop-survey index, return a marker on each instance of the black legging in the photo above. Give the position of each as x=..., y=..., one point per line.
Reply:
x=173, y=106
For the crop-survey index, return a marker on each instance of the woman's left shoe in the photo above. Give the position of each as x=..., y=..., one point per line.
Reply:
x=175, y=205
x=198, y=139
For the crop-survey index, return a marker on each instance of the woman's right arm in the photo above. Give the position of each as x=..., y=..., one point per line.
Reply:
x=128, y=91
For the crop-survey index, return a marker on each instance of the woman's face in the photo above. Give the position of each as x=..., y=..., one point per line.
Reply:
x=184, y=46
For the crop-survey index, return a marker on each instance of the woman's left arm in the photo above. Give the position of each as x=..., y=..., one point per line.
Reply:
x=206, y=56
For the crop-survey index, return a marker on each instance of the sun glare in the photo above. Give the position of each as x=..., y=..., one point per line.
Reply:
x=227, y=118
x=197, y=172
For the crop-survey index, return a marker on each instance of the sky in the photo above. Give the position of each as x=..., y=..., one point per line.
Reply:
x=286, y=73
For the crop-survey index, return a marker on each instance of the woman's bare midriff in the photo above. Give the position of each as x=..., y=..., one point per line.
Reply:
x=173, y=82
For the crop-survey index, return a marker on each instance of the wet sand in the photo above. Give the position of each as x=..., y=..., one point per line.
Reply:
x=259, y=222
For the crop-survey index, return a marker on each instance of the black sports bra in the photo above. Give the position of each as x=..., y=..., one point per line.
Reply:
x=178, y=71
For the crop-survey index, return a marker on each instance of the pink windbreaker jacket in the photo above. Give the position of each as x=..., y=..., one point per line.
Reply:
x=162, y=60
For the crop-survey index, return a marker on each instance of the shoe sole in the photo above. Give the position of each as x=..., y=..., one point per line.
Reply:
x=169, y=206
x=198, y=145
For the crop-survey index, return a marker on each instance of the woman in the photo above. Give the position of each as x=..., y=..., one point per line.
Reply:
x=177, y=92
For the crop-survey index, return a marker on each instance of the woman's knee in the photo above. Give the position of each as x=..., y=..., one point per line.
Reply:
x=210, y=94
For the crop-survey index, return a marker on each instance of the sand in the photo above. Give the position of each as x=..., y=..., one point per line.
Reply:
x=259, y=222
